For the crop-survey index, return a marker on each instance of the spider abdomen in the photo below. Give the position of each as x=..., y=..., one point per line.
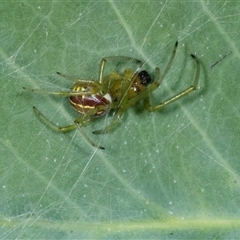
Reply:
x=96, y=104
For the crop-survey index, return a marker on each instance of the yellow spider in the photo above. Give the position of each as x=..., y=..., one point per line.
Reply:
x=118, y=91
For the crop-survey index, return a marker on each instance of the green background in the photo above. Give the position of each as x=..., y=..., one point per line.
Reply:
x=172, y=174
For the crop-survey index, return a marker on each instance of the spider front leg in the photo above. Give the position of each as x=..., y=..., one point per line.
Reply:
x=78, y=123
x=177, y=96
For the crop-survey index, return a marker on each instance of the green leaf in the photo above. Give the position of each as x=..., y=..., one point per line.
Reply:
x=171, y=174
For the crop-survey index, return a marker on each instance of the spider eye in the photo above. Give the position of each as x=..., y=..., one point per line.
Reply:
x=144, y=77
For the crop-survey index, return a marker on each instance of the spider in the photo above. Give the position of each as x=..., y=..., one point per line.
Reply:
x=117, y=91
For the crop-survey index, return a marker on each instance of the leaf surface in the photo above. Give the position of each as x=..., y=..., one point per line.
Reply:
x=171, y=174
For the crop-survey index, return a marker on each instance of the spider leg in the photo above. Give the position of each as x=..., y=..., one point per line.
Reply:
x=87, y=138
x=177, y=96
x=78, y=123
x=159, y=78
x=111, y=125
x=66, y=76
x=59, y=93
x=82, y=121
x=69, y=93
x=52, y=125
